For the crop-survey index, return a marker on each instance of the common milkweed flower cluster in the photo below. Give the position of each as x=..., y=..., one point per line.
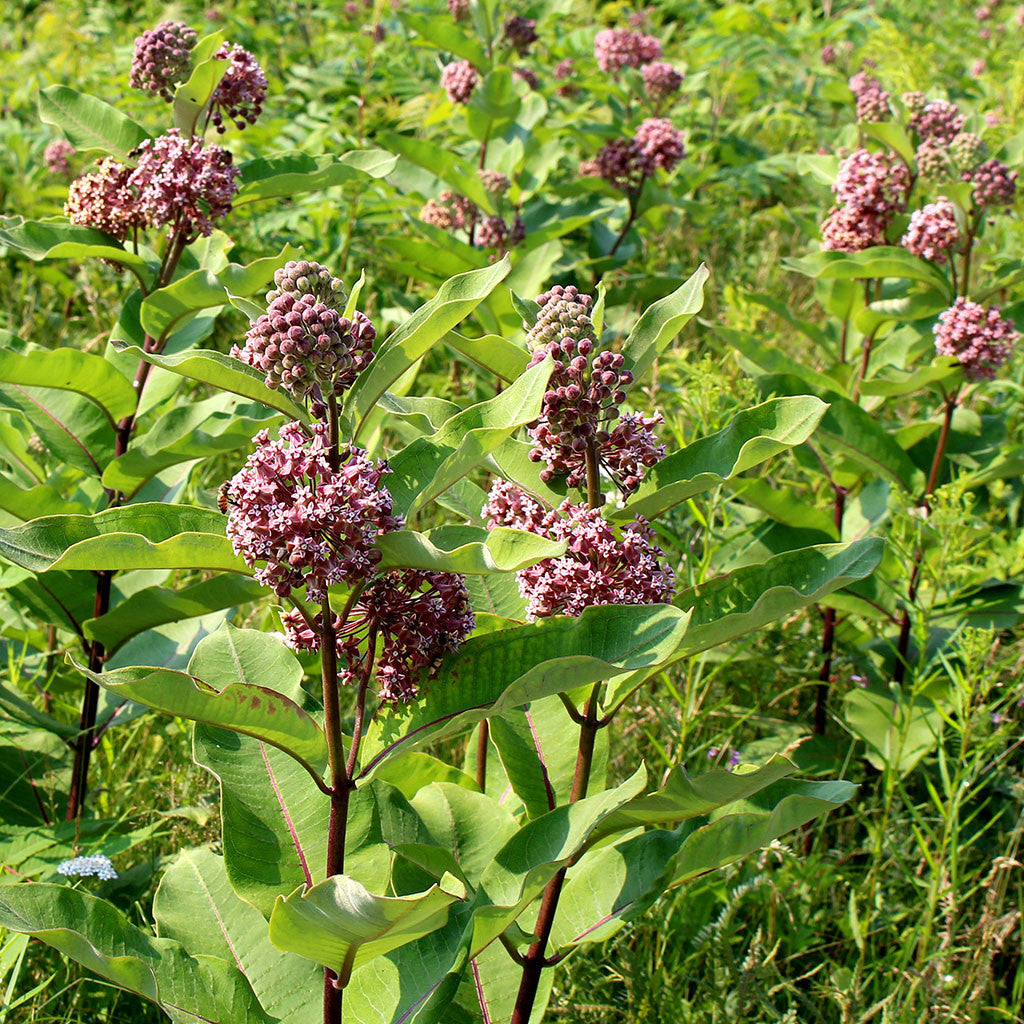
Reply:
x=301, y=523
x=57, y=156
x=163, y=60
x=303, y=342
x=872, y=99
x=601, y=566
x=979, y=337
x=932, y=231
x=414, y=618
x=177, y=182
x=618, y=48
x=582, y=402
x=870, y=189
x=451, y=211
x=625, y=164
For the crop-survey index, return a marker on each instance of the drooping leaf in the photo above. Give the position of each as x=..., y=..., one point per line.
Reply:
x=90, y=123
x=879, y=261
x=661, y=323
x=192, y=97
x=339, y=924
x=145, y=536
x=470, y=550
x=225, y=373
x=508, y=668
x=751, y=438
x=454, y=301
x=430, y=465
x=57, y=239
x=898, y=729
x=98, y=936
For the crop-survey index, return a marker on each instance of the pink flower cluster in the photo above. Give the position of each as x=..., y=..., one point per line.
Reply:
x=994, y=183
x=305, y=277
x=871, y=188
x=450, y=212
x=493, y=233
x=564, y=70
x=520, y=33
x=656, y=143
x=182, y=183
x=459, y=80
x=458, y=9
x=162, y=58
x=661, y=81
x=495, y=182
x=242, y=91
x=600, y=567
x=103, y=199
x=312, y=526
x=979, y=338
x=872, y=99
x=939, y=120
x=307, y=347
x=932, y=231
x=415, y=617
x=56, y=156
x=618, y=48
x=583, y=399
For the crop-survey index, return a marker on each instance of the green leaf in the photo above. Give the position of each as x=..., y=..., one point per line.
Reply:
x=893, y=135
x=257, y=711
x=144, y=536
x=90, y=123
x=445, y=34
x=454, y=301
x=511, y=667
x=494, y=105
x=729, y=607
x=35, y=502
x=753, y=437
x=292, y=174
x=614, y=885
x=155, y=606
x=67, y=369
x=341, y=925
x=661, y=323
x=275, y=821
x=853, y=431
x=879, y=261
x=100, y=937
x=192, y=98
x=225, y=373
x=55, y=239
x=470, y=550
x=166, y=308
x=430, y=465
x=898, y=729
x=502, y=358
x=250, y=657
x=448, y=166
x=199, y=430
x=196, y=906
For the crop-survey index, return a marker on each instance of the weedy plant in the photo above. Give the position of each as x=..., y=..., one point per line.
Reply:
x=433, y=826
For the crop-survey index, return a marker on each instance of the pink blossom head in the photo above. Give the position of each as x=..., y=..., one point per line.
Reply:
x=828, y=55
x=162, y=58
x=939, y=120
x=495, y=182
x=298, y=522
x=967, y=150
x=618, y=48
x=872, y=99
x=183, y=184
x=305, y=277
x=873, y=182
x=914, y=102
x=241, y=93
x=520, y=33
x=932, y=231
x=494, y=233
x=450, y=211
x=307, y=347
x=658, y=143
x=978, y=67
x=994, y=184
x=661, y=81
x=979, y=338
x=601, y=566
x=527, y=76
x=103, y=199
x=458, y=9
x=415, y=618
x=851, y=229
x=564, y=315
x=459, y=80
x=933, y=159
x=57, y=156
x=616, y=163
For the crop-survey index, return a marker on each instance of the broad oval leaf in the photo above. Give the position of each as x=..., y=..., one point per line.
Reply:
x=753, y=437
x=90, y=123
x=469, y=550
x=291, y=174
x=54, y=239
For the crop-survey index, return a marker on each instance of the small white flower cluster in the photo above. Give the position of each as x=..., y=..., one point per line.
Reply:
x=98, y=865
